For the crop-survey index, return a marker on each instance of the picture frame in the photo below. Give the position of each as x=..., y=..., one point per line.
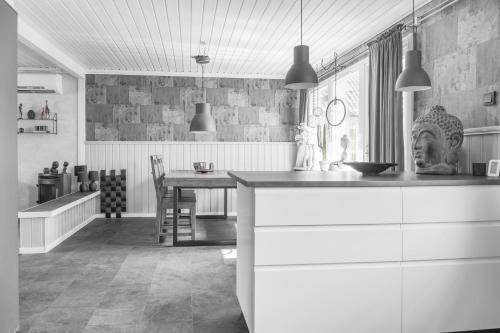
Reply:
x=494, y=168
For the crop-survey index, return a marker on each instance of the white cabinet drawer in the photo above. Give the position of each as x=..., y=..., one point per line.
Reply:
x=432, y=241
x=327, y=244
x=321, y=299
x=327, y=206
x=451, y=203
x=451, y=297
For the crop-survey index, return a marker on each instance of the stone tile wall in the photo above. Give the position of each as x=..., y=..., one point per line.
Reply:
x=461, y=53
x=158, y=108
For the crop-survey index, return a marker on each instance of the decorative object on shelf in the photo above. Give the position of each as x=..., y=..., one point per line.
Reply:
x=306, y=148
x=324, y=137
x=413, y=77
x=37, y=128
x=202, y=120
x=42, y=128
x=54, y=170
x=335, y=110
x=65, y=167
x=301, y=75
x=370, y=168
x=113, y=192
x=93, y=176
x=201, y=167
x=494, y=168
x=20, y=111
x=479, y=169
x=436, y=140
x=46, y=171
x=45, y=111
x=31, y=114
x=83, y=177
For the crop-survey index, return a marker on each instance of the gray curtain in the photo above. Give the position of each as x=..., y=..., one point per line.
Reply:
x=385, y=104
x=303, y=106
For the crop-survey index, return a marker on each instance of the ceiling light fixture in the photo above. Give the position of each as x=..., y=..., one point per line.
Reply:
x=301, y=75
x=414, y=77
x=202, y=120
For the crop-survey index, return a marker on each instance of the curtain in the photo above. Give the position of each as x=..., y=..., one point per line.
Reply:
x=385, y=109
x=303, y=106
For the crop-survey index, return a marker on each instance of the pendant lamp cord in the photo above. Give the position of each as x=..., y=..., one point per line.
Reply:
x=300, y=22
x=414, y=28
x=202, y=86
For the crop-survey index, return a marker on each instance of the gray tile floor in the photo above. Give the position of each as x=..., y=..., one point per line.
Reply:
x=109, y=277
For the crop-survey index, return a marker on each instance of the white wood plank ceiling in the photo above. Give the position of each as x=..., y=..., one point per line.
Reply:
x=243, y=37
x=29, y=59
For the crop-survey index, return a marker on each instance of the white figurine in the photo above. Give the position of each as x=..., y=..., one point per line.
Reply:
x=306, y=154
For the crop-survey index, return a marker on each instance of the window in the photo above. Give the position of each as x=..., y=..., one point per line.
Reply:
x=352, y=89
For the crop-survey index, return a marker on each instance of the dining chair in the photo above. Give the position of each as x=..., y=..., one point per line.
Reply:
x=165, y=200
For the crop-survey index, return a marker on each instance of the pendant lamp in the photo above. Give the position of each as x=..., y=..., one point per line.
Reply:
x=301, y=75
x=202, y=120
x=413, y=78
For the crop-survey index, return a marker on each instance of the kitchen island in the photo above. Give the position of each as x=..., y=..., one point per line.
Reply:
x=338, y=252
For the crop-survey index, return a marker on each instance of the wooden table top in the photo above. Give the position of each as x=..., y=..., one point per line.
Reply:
x=190, y=178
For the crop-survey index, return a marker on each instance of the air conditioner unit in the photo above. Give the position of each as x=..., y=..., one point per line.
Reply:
x=42, y=83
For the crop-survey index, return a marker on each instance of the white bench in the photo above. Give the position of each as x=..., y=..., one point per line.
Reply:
x=43, y=227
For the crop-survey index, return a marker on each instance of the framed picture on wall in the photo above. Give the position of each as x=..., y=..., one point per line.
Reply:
x=494, y=168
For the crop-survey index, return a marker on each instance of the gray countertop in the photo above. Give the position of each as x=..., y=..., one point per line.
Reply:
x=352, y=179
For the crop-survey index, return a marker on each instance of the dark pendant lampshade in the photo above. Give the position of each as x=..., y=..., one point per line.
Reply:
x=413, y=78
x=301, y=75
x=202, y=120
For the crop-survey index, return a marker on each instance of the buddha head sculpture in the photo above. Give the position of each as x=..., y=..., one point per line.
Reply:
x=436, y=140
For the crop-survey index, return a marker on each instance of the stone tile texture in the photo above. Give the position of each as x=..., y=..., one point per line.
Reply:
x=460, y=48
x=160, y=108
x=111, y=277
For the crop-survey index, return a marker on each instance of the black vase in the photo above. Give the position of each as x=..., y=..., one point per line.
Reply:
x=93, y=186
x=84, y=187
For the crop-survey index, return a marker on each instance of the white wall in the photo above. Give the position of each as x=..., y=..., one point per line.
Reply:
x=37, y=151
x=9, y=298
x=134, y=156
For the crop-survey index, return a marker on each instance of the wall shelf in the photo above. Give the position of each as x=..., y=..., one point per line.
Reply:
x=51, y=128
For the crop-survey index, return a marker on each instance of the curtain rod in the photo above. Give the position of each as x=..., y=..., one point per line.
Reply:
x=355, y=54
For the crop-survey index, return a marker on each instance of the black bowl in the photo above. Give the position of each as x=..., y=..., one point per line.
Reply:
x=370, y=168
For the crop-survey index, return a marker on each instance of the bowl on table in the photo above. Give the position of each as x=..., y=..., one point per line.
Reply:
x=203, y=167
x=370, y=168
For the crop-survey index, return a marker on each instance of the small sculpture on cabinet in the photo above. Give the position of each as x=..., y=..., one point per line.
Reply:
x=65, y=167
x=55, y=167
x=20, y=111
x=436, y=140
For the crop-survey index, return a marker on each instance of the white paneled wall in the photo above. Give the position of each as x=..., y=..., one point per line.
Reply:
x=134, y=157
x=479, y=148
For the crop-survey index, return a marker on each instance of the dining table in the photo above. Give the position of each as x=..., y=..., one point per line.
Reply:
x=189, y=179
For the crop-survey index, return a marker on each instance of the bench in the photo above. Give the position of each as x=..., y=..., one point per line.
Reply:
x=43, y=227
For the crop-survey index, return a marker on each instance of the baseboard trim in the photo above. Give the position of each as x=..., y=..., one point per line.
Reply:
x=101, y=215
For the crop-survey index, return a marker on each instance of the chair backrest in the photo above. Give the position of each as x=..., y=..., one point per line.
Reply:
x=158, y=175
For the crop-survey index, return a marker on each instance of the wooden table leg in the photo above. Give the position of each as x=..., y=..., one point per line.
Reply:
x=175, y=216
x=225, y=203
